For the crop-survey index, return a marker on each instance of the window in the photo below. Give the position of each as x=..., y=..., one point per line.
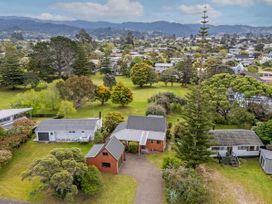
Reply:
x=251, y=148
x=82, y=131
x=151, y=141
x=72, y=131
x=242, y=147
x=51, y=133
x=106, y=165
x=105, y=153
x=218, y=148
x=158, y=142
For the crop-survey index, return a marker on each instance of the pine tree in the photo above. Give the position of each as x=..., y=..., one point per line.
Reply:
x=193, y=145
x=10, y=70
x=203, y=34
x=82, y=65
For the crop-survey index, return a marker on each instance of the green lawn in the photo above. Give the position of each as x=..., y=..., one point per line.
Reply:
x=7, y=97
x=11, y=186
x=139, y=104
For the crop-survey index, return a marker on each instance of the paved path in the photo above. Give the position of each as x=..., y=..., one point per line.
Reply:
x=148, y=177
x=9, y=201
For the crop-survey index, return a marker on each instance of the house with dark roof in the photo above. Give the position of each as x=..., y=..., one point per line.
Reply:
x=67, y=130
x=107, y=157
x=266, y=160
x=148, y=131
x=9, y=116
x=242, y=143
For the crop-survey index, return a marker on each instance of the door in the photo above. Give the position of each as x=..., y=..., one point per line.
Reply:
x=43, y=136
x=229, y=150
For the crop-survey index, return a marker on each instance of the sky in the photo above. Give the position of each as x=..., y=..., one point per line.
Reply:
x=220, y=12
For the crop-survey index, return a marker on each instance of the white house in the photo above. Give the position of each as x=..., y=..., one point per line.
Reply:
x=9, y=116
x=67, y=130
x=266, y=76
x=266, y=160
x=239, y=69
x=161, y=67
x=243, y=143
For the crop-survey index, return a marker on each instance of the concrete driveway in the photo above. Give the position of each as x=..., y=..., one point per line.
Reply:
x=148, y=177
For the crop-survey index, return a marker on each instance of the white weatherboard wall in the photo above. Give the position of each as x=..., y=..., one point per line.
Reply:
x=238, y=152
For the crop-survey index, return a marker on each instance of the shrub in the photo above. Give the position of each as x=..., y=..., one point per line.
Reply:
x=100, y=136
x=5, y=156
x=132, y=147
x=112, y=120
x=184, y=185
x=91, y=181
x=170, y=162
x=155, y=110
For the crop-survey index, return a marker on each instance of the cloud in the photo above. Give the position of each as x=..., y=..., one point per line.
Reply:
x=198, y=9
x=48, y=16
x=241, y=2
x=113, y=9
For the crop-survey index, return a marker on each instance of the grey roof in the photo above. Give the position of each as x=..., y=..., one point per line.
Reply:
x=94, y=151
x=114, y=147
x=150, y=123
x=67, y=124
x=232, y=137
x=10, y=112
x=267, y=153
x=121, y=126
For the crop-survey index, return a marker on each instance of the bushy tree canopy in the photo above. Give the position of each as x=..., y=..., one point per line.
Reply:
x=121, y=94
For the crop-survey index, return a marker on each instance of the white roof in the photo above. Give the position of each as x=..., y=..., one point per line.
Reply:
x=10, y=112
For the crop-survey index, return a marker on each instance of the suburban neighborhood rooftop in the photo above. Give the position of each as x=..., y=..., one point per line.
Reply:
x=232, y=137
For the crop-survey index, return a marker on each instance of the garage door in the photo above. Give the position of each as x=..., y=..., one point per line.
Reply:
x=43, y=136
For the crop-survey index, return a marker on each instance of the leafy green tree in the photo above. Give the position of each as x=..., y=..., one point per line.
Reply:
x=109, y=80
x=40, y=61
x=102, y=93
x=91, y=181
x=141, y=74
x=77, y=89
x=112, y=119
x=81, y=65
x=264, y=131
x=168, y=76
x=193, y=146
x=66, y=109
x=155, y=110
x=64, y=171
x=121, y=94
x=11, y=73
x=184, y=71
x=184, y=185
x=63, y=53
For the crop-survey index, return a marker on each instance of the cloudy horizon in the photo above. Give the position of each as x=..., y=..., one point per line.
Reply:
x=221, y=12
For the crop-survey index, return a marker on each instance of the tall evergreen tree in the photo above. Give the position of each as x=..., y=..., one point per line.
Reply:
x=11, y=73
x=82, y=65
x=192, y=147
x=203, y=34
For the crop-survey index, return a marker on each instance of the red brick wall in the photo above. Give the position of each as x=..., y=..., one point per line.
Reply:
x=100, y=158
x=152, y=145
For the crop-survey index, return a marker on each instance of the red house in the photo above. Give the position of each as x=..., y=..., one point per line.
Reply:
x=107, y=157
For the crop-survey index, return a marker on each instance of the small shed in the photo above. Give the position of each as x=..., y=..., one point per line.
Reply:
x=107, y=157
x=266, y=160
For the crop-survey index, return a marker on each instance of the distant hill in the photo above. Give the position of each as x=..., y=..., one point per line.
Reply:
x=11, y=24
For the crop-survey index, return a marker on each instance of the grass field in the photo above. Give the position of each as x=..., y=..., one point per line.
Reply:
x=11, y=186
x=248, y=180
x=137, y=107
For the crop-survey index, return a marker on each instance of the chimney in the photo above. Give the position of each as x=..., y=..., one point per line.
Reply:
x=100, y=115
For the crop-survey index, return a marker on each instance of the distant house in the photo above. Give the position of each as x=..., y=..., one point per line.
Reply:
x=67, y=130
x=266, y=76
x=266, y=160
x=161, y=67
x=243, y=143
x=9, y=116
x=239, y=69
x=107, y=157
x=148, y=131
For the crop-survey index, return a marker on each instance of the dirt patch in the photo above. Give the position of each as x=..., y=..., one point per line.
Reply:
x=148, y=177
x=224, y=190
